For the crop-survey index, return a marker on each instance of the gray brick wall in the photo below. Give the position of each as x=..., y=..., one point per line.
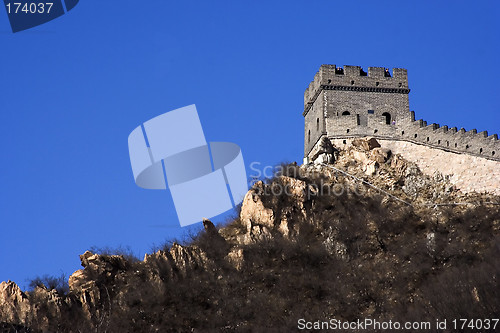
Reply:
x=348, y=102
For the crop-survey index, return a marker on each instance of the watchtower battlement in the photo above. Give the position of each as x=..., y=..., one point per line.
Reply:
x=354, y=78
x=347, y=102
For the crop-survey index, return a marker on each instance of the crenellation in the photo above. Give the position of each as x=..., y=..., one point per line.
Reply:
x=352, y=71
x=376, y=72
x=400, y=74
x=355, y=79
x=347, y=102
x=433, y=126
x=472, y=131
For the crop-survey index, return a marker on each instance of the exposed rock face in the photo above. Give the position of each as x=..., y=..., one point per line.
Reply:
x=188, y=258
x=260, y=220
x=18, y=308
x=370, y=167
x=256, y=218
x=365, y=144
x=15, y=306
x=325, y=152
x=368, y=152
x=380, y=155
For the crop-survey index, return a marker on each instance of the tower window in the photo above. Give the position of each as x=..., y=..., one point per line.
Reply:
x=346, y=113
x=377, y=83
x=371, y=111
x=416, y=135
x=309, y=136
x=480, y=150
x=347, y=131
x=387, y=116
x=375, y=131
x=402, y=132
x=317, y=124
x=352, y=82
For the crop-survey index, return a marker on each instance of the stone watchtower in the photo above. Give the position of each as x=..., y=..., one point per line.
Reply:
x=345, y=103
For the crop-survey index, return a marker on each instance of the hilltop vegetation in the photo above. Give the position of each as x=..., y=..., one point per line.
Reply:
x=310, y=243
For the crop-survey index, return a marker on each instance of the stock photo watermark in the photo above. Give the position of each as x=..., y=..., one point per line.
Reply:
x=321, y=187
x=27, y=14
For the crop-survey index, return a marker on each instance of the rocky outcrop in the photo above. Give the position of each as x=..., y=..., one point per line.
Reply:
x=254, y=216
x=368, y=210
x=39, y=308
x=15, y=306
x=365, y=144
x=380, y=155
x=368, y=152
x=259, y=220
x=325, y=152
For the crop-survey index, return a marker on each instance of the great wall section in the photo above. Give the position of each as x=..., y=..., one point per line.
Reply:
x=346, y=103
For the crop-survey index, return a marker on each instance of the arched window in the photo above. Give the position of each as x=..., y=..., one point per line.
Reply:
x=346, y=113
x=317, y=124
x=387, y=116
x=309, y=136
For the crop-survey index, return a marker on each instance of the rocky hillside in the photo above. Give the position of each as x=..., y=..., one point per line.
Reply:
x=365, y=236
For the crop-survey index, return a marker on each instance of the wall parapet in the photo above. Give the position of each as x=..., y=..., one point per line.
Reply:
x=435, y=136
x=348, y=102
x=354, y=78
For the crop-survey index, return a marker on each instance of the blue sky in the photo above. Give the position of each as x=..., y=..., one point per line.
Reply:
x=73, y=89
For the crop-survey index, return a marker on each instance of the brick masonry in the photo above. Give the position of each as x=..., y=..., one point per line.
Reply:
x=344, y=103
